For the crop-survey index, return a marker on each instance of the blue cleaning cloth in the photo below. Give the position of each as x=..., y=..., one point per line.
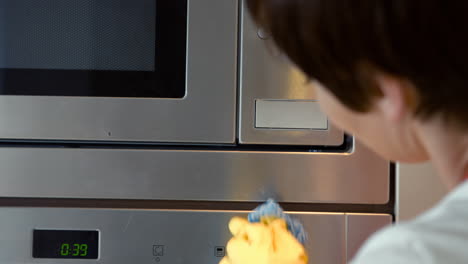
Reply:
x=272, y=208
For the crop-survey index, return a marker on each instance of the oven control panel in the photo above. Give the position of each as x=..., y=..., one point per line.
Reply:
x=117, y=236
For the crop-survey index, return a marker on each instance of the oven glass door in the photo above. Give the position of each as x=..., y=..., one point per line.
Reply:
x=119, y=70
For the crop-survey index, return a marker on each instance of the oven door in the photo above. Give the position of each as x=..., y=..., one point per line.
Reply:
x=118, y=70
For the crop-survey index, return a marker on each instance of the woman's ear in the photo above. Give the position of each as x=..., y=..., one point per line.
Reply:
x=393, y=103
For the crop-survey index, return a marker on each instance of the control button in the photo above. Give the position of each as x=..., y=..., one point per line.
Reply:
x=289, y=114
x=263, y=34
x=220, y=252
x=158, y=250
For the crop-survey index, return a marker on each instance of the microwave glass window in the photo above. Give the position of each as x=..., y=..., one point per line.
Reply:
x=105, y=48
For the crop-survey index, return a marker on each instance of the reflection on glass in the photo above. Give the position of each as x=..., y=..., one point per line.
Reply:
x=116, y=48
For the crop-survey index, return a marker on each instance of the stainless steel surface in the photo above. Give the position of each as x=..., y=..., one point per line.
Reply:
x=360, y=226
x=265, y=75
x=357, y=177
x=205, y=115
x=128, y=236
x=282, y=114
x=326, y=236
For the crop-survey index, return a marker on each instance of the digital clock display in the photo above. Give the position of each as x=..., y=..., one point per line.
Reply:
x=66, y=244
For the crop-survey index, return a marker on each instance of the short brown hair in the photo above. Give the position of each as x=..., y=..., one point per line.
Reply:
x=341, y=43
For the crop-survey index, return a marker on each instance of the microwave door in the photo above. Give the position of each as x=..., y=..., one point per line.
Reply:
x=127, y=70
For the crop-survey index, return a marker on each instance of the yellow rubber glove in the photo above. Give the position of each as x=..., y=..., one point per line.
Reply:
x=267, y=242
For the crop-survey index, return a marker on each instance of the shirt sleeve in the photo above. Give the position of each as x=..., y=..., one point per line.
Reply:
x=393, y=245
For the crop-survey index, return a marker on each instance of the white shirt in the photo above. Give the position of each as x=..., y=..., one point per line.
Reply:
x=438, y=236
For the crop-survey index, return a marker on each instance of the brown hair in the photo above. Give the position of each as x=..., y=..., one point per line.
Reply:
x=342, y=43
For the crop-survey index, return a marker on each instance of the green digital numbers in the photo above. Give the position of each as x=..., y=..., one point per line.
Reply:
x=64, y=249
x=75, y=250
x=84, y=250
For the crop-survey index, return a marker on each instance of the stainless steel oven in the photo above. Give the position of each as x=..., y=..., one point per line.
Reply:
x=132, y=130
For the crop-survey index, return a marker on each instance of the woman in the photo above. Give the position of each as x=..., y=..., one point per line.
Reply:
x=394, y=73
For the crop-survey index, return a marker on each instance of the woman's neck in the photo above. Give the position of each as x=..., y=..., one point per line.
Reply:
x=447, y=148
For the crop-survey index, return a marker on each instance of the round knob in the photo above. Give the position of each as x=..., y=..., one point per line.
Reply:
x=263, y=34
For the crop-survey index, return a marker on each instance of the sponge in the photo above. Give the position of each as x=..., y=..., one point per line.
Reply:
x=272, y=209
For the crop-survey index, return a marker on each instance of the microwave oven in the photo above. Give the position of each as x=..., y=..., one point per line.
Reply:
x=141, y=126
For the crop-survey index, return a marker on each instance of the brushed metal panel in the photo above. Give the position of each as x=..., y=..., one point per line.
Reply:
x=360, y=227
x=326, y=237
x=128, y=236
x=357, y=177
x=268, y=76
x=206, y=115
